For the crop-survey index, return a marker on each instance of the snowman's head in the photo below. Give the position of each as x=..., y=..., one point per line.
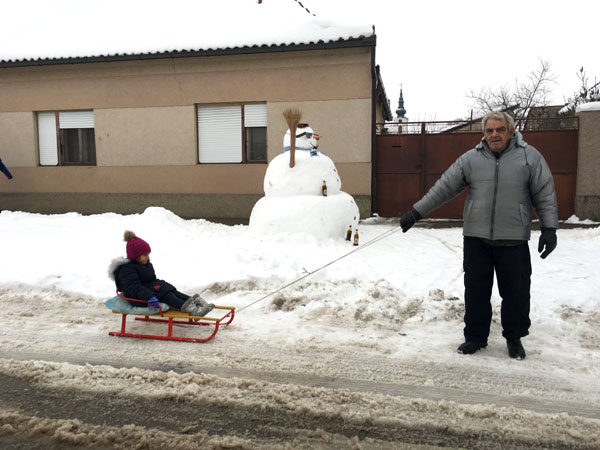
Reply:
x=306, y=139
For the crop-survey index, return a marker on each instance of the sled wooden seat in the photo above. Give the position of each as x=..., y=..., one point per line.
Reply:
x=173, y=316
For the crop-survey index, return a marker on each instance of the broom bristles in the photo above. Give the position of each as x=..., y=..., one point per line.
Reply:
x=292, y=116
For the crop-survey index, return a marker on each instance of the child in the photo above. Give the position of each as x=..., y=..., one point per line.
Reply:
x=135, y=277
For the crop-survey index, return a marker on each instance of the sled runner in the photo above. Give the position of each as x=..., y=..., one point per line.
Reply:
x=163, y=314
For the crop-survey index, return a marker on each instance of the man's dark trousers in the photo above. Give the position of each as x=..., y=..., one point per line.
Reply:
x=512, y=264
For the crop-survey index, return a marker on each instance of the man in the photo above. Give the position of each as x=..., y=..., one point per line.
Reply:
x=505, y=178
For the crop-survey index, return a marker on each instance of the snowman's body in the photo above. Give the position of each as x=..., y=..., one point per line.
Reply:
x=294, y=200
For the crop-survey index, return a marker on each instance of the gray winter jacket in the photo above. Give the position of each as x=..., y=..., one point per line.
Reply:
x=501, y=191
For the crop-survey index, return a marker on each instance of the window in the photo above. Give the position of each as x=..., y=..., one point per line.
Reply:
x=232, y=133
x=66, y=138
x=255, y=128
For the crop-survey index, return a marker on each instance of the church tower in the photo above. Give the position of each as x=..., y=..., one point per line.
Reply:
x=400, y=112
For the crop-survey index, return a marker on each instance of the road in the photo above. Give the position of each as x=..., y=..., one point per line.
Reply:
x=78, y=401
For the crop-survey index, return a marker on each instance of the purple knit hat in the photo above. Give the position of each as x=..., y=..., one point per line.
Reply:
x=135, y=246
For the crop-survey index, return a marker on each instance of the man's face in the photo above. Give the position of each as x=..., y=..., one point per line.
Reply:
x=497, y=135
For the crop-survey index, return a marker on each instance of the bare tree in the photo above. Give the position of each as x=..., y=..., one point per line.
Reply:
x=534, y=91
x=585, y=94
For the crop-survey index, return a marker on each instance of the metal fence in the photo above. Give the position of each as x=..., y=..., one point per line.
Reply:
x=409, y=160
x=475, y=126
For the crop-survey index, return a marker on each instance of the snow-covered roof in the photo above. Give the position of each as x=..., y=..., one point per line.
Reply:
x=591, y=106
x=40, y=31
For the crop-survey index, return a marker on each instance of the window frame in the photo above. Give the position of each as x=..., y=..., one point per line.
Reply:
x=246, y=150
x=244, y=147
x=59, y=141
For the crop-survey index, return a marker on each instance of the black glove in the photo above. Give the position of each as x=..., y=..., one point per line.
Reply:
x=408, y=219
x=547, y=240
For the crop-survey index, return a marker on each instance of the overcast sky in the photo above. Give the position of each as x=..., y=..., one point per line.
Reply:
x=439, y=50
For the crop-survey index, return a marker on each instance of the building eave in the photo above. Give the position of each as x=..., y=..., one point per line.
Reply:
x=369, y=41
x=382, y=96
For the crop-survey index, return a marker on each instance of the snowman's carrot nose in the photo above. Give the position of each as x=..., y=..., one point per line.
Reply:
x=316, y=136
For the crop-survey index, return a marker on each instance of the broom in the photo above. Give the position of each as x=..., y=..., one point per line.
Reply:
x=292, y=116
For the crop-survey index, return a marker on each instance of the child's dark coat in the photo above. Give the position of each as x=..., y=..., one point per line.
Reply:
x=139, y=281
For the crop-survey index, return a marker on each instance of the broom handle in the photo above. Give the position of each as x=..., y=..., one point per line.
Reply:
x=293, y=147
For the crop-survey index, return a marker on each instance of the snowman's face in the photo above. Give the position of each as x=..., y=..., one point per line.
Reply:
x=305, y=138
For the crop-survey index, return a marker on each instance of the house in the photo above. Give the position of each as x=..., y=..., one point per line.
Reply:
x=177, y=104
x=472, y=124
x=539, y=118
x=542, y=118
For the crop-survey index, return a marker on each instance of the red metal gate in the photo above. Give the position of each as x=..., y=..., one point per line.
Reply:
x=407, y=165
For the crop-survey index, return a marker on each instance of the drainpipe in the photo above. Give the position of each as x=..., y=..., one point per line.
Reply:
x=373, y=133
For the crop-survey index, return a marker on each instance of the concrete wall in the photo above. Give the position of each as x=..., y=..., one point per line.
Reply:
x=154, y=136
x=18, y=146
x=587, y=198
x=146, y=131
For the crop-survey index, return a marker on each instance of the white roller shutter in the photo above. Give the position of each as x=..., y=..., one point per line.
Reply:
x=76, y=119
x=255, y=115
x=47, y=139
x=220, y=134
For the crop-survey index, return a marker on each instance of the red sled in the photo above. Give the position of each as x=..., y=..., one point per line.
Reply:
x=174, y=316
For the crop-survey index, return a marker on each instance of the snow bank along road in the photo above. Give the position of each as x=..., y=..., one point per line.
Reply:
x=234, y=392
x=86, y=405
x=75, y=405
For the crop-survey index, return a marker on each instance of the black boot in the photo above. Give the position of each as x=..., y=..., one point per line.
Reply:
x=515, y=348
x=468, y=348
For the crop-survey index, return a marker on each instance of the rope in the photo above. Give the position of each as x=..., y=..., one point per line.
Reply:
x=372, y=241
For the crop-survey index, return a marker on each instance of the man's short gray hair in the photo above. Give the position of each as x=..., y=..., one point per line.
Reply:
x=499, y=115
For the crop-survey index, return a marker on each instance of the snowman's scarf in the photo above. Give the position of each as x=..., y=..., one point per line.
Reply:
x=313, y=151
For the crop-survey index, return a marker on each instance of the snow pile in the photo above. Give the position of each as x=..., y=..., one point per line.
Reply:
x=72, y=433
x=54, y=275
x=576, y=220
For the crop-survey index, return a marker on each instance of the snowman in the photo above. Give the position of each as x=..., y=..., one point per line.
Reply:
x=303, y=191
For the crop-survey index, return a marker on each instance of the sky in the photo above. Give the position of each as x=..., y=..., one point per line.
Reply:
x=439, y=50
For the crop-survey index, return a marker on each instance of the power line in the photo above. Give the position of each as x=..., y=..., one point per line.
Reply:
x=304, y=7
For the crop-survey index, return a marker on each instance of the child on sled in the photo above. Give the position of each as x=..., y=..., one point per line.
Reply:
x=135, y=277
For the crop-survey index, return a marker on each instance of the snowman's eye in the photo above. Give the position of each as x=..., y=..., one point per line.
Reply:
x=308, y=135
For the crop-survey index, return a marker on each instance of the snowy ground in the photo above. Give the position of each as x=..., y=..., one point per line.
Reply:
x=360, y=354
